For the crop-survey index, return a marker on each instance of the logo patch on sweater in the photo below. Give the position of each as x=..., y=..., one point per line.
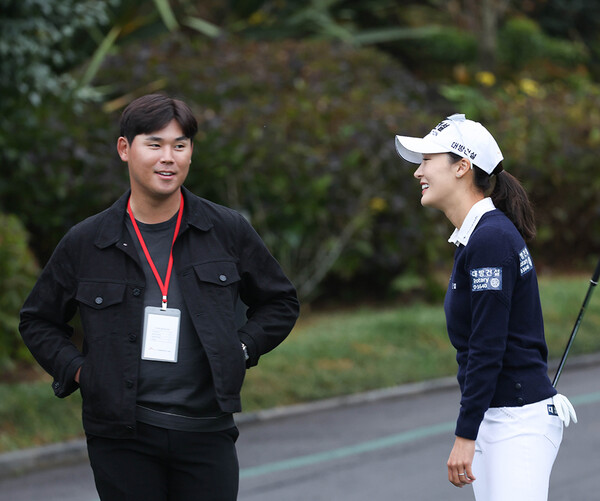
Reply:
x=552, y=410
x=486, y=279
x=525, y=262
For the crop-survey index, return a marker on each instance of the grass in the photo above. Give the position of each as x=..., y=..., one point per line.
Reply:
x=351, y=351
x=345, y=352
x=327, y=354
x=31, y=415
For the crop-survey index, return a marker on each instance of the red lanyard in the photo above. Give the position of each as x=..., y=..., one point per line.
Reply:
x=164, y=287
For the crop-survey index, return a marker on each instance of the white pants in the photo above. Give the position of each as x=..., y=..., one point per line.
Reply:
x=514, y=453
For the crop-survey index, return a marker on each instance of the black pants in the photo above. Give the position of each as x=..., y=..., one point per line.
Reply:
x=166, y=465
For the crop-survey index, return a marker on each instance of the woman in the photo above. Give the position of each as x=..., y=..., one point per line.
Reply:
x=510, y=423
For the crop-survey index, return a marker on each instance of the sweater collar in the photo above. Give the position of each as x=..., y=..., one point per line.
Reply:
x=462, y=235
x=110, y=229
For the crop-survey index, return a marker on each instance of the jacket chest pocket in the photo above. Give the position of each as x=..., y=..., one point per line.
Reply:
x=100, y=295
x=219, y=281
x=97, y=301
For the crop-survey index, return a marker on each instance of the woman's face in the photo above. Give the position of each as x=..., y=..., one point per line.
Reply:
x=437, y=177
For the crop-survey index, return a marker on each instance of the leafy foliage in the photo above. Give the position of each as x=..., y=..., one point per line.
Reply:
x=576, y=20
x=41, y=42
x=18, y=271
x=297, y=136
x=549, y=133
x=522, y=42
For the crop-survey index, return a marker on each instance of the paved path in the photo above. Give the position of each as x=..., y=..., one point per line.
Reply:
x=376, y=449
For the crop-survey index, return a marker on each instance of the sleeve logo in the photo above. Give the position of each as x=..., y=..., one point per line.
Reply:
x=525, y=262
x=486, y=279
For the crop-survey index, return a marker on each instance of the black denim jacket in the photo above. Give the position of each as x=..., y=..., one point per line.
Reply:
x=95, y=269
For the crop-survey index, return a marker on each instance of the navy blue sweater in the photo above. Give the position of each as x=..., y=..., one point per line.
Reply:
x=494, y=320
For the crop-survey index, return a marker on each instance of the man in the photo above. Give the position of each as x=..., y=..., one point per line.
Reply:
x=156, y=279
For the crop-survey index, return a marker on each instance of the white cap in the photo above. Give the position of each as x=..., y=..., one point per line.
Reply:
x=458, y=135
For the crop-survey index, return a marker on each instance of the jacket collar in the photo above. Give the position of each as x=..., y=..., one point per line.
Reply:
x=110, y=229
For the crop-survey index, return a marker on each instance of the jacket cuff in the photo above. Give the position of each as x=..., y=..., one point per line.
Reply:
x=64, y=384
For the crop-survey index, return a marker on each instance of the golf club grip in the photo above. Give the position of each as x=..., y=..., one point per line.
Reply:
x=596, y=274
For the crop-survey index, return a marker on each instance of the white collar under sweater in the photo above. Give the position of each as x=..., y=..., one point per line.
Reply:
x=462, y=235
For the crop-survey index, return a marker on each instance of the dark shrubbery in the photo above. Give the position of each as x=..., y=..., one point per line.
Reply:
x=521, y=42
x=549, y=133
x=18, y=271
x=45, y=142
x=298, y=136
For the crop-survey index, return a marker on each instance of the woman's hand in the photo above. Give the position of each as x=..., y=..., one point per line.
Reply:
x=460, y=461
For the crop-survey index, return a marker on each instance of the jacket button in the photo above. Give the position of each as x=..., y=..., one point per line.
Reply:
x=129, y=383
x=132, y=338
x=223, y=278
x=98, y=300
x=518, y=386
x=519, y=401
x=136, y=292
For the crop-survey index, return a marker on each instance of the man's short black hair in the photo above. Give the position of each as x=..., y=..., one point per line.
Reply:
x=152, y=112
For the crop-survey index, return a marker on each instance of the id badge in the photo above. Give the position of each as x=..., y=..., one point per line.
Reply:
x=161, y=334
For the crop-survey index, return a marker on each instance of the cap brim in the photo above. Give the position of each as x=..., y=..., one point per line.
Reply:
x=413, y=148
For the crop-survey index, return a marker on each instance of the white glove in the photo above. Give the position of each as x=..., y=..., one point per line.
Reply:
x=564, y=409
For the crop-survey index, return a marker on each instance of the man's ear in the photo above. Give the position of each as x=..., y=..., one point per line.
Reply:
x=464, y=166
x=123, y=148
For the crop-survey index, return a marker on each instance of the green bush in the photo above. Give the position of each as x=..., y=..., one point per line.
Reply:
x=521, y=42
x=434, y=55
x=298, y=136
x=553, y=137
x=549, y=134
x=449, y=46
x=64, y=170
x=46, y=168
x=18, y=272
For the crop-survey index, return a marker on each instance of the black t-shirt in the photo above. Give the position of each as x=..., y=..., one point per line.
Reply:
x=179, y=395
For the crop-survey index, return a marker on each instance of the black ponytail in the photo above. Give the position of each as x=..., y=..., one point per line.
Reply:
x=507, y=194
x=510, y=197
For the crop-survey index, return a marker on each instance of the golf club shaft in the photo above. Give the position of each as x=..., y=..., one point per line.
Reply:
x=593, y=283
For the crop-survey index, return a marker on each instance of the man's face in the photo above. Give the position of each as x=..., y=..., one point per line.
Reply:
x=158, y=162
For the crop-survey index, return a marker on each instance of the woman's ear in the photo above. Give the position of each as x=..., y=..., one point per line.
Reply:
x=463, y=166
